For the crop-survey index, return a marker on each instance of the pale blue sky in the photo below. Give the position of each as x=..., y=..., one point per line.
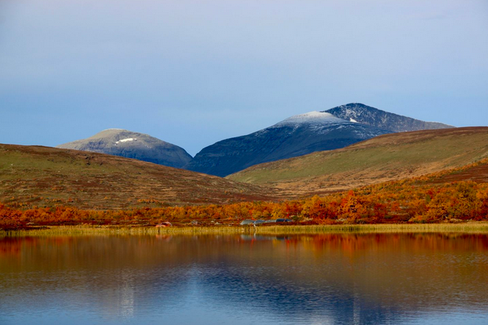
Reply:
x=195, y=72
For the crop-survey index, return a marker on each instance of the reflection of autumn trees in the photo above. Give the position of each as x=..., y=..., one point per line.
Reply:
x=319, y=243
x=359, y=243
x=393, y=202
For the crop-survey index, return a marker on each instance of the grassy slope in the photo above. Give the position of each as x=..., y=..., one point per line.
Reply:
x=384, y=158
x=42, y=176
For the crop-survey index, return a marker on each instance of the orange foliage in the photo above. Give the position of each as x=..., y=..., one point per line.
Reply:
x=392, y=202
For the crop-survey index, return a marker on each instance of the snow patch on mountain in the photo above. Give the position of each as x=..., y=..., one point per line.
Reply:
x=126, y=140
x=314, y=118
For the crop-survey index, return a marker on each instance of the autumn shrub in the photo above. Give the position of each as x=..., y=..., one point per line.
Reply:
x=392, y=202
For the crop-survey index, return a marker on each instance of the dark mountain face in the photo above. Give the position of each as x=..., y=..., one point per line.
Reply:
x=295, y=136
x=134, y=145
x=368, y=115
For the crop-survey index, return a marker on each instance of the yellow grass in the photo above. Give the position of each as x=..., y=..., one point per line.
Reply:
x=470, y=227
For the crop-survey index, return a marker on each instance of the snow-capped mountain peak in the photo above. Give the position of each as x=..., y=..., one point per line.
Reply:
x=360, y=113
x=311, y=118
x=295, y=136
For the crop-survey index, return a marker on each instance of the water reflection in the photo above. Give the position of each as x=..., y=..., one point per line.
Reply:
x=316, y=279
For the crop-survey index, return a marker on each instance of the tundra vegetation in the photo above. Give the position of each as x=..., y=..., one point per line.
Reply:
x=397, y=202
x=72, y=188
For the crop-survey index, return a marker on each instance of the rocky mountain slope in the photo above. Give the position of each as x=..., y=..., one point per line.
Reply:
x=128, y=144
x=360, y=113
x=295, y=136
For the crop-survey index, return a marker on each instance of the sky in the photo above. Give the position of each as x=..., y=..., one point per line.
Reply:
x=193, y=72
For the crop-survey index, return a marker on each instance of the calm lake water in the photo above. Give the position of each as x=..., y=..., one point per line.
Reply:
x=316, y=279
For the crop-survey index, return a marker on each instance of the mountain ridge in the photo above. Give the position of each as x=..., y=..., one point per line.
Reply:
x=302, y=134
x=369, y=115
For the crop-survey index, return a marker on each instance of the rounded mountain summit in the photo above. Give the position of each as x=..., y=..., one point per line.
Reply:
x=119, y=142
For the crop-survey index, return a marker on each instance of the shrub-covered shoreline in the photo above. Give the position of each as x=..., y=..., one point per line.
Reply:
x=399, y=202
x=473, y=227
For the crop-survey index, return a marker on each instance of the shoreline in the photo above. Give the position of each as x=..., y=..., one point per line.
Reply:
x=467, y=227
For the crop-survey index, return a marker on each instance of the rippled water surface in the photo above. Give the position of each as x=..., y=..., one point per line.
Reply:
x=316, y=279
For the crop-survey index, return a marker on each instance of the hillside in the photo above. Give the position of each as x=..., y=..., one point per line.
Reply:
x=134, y=145
x=294, y=136
x=384, y=158
x=368, y=115
x=43, y=176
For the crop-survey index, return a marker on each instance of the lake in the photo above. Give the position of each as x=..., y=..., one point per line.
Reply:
x=245, y=279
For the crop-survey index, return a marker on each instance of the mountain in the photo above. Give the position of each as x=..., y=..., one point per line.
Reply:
x=119, y=142
x=295, y=136
x=384, y=158
x=368, y=115
x=42, y=176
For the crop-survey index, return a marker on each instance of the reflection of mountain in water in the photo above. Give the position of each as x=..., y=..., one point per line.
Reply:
x=340, y=279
